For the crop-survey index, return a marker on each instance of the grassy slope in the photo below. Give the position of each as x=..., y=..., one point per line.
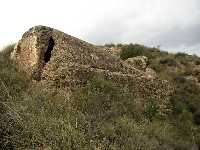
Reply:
x=99, y=115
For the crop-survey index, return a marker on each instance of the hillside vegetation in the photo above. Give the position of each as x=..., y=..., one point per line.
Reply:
x=101, y=115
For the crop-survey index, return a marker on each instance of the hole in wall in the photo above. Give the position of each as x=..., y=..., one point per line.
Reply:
x=47, y=54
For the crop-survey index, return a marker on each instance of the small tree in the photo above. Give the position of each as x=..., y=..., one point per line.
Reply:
x=151, y=109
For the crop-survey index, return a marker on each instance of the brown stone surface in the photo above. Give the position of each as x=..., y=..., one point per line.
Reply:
x=139, y=62
x=72, y=62
x=113, y=50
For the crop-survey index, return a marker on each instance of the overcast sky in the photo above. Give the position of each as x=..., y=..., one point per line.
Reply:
x=172, y=24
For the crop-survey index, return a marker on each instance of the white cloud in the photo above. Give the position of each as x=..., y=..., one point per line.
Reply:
x=142, y=21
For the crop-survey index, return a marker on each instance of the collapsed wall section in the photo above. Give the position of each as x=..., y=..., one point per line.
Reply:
x=64, y=62
x=33, y=51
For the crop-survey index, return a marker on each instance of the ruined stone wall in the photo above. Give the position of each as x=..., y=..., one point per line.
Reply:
x=70, y=76
x=72, y=61
x=29, y=51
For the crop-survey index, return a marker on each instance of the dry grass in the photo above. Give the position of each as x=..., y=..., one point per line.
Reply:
x=99, y=116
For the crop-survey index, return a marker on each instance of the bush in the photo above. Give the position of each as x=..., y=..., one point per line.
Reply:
x=196, y=118
x=131, y=50
x=104, y=100
x=5, y=52
x=186, y=98
x=12, y=85
x=151, y=109
x=180, y=55
x=110, y=45
x=169, y=61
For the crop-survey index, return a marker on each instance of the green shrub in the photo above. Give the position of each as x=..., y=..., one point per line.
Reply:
x=12, y=85
x=103, y=98
x=5, y=52
x=131, y=50
x=196, y=118
x=186, y=99
x=169, y=61
x=12, y=82
x=151, y=109
x=197, y=62
x=180, y=55
x=110, y=45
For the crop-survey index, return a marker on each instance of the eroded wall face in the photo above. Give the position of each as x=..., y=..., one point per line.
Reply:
x=26, y=54
x=30, y=51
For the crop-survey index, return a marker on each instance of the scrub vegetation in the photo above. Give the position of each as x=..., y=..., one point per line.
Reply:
x=101, y=115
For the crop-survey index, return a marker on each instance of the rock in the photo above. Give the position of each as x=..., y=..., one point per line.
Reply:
x=151, y=74
x=191, y=79
x=56, y=59
x=113, y=50
x=139, y=62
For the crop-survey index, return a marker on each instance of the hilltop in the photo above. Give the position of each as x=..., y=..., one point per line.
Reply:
x=59, y=92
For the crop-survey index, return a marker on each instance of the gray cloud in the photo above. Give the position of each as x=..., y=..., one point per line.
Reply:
x=111, y=30
x=175, y=26
x=176, y=36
